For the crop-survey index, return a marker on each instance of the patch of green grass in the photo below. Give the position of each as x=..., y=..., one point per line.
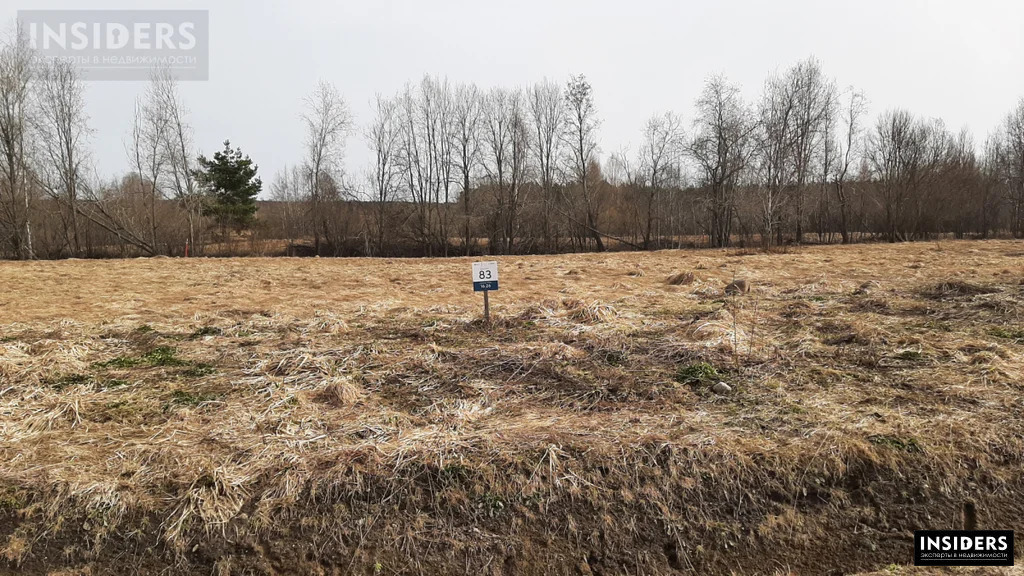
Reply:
x=184, y=398
x=491, y=504
x=129, y=411
x=198, y=370
x=119, y=362
x=163, y=356
x=697, y=373
x=113, y=383
x=12, y=499
x=910, y=355
x=454, y=473
x=66, y=381
x=908, y=444
x=1015, y=334
x=206, y=331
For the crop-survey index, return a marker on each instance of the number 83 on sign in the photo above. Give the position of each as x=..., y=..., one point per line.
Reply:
x=485, y=276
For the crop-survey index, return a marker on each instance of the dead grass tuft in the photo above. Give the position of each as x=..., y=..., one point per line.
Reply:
x=956, y=288
x=588, y=313
x=681, y=279
x=342, y=392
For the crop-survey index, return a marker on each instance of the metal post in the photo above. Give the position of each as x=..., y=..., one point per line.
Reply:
x=487, y=309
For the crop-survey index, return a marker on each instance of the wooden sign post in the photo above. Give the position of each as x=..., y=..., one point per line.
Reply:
x=485, y=279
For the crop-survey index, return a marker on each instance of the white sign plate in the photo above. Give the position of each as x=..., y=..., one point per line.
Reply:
x=485, y=276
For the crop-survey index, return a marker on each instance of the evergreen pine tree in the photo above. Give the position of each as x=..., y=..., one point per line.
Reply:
x=232, y=187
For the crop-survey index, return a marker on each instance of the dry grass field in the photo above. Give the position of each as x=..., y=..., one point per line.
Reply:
x=323, y=416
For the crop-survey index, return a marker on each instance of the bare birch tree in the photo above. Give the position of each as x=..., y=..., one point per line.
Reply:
x=290, y=191
x=179, y=150
x=328, y=123
x=436, y=122
x=148, y=154
x=849, y=150
x=468, y=114
x=519, y=156
x=497, y=141
x=660, y=159
x=63, y=126
x=813, y=93
x=383, y=137
x=547, y=112
x=1010, y=152
x=17, y=75
x=580, y=139
x=773, y=152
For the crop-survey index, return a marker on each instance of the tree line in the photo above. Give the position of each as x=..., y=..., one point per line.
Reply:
x=458, y=169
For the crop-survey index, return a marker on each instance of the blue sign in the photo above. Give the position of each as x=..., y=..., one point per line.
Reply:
x=485, y=286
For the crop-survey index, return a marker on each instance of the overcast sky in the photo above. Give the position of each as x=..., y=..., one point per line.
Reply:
x=961, y=61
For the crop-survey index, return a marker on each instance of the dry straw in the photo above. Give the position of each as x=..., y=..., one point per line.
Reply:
x=182, y=403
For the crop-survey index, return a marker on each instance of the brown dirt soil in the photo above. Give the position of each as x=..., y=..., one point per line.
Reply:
x=316, y=416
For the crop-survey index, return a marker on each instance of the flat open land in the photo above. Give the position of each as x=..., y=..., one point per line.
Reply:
x=328, y=416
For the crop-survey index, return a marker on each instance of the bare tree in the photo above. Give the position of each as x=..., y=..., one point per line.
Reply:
x=547, y=112
x=1010, y=151
x=498, y=137
x=414, y=165
x=519, y=162
x=178, y=148
x=960, y=181
x=892, y=145
x=17, y=74
x=580, y=138
x=906, y=154
x=436, y=117
x=720, y=148
x=813, y=94
x=290, y=192
x=932, y=178
x=131, y=210
x=148, y=154
x=63, y=126
x=122, y=210
x=383, y=136
x=328, y=123
x=427, y=159
x=660, y=159
x=773, y=152
x=468, y=112
x=849, y=148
